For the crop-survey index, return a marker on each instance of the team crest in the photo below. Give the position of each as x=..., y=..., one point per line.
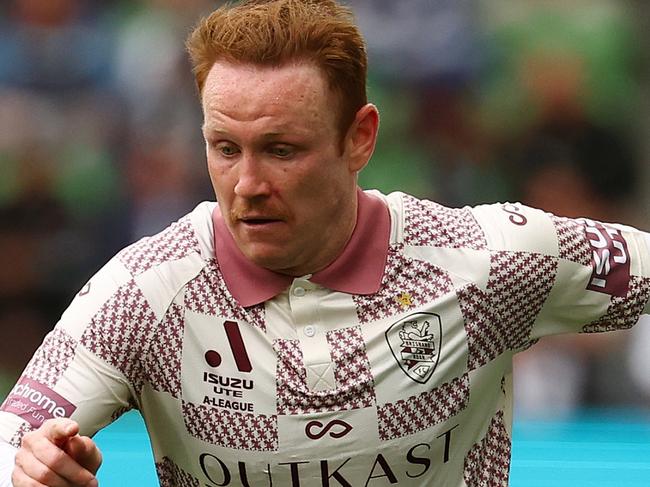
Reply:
x=415, y=342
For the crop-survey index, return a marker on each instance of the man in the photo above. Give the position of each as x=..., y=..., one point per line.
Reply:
x=302, y=331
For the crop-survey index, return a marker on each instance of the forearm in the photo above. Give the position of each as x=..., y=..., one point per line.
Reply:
x=7, y=460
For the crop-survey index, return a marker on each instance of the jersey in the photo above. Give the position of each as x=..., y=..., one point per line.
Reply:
x=390, y=367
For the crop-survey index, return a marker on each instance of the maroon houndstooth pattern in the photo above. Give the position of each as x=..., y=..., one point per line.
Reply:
x=421, y=281
x=351, y=370
x=207, y=294
x=486, y=338
x=173, y=243
x=171, y=475
x=430, y=224
x=291, y=380
x=52, y=358
x=120, y=332
x=406, y=417
x=488, y=463
x=501, y=318
x=17, y=438
x=162, y=366
x=231, y=429
x=573, y=244
x=119, y=412
x=624, y=312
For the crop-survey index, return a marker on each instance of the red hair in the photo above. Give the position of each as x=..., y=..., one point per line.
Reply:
x=275, y=32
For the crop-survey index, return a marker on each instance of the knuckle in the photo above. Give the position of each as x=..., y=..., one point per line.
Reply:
x=29, y=439
x=20, y=455
x=22, y=460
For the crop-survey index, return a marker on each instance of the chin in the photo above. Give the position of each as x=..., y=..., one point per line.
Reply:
x=274, y=261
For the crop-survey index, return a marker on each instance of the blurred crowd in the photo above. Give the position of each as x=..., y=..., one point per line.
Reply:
x=481, y=101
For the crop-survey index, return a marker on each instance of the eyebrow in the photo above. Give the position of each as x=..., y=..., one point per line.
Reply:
x=206, y=128
x=268, y=135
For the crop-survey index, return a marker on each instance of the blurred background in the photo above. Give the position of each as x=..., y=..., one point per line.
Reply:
x=546, y=102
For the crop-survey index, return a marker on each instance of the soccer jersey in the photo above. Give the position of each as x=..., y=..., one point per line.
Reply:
x=392, y=366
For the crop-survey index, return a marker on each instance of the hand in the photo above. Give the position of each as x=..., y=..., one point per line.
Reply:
x=56, y=456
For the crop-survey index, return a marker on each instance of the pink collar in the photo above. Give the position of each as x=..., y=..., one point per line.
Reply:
x=358, y=270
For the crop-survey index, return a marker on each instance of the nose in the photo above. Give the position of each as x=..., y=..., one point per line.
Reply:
x=251, y=179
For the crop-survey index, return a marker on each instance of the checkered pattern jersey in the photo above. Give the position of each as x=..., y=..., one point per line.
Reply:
x=410, y=385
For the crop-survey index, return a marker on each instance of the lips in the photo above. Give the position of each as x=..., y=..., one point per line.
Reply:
x=258, y=220
x=259, y=223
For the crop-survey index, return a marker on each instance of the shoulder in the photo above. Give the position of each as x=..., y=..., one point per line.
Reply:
x=146, y=275
x=422, y=222
x=190, y=235
x=495, y=226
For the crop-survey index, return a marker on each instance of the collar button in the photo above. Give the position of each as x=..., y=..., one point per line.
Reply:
x=299, y=292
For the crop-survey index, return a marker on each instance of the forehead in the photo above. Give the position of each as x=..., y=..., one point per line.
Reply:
x=250, y=92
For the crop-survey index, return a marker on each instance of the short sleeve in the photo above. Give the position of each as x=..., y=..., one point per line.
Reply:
x=551, y=275
x=71, y=374
x=603, y=278
x=91, y=367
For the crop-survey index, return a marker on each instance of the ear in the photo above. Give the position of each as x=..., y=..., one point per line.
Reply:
x=362, y=137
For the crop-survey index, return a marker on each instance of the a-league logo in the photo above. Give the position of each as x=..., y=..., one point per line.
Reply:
x=415, y=342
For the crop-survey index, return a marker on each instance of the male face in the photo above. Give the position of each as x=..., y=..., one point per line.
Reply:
x=286, y=190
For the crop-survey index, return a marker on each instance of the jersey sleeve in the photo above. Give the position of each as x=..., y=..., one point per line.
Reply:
x=93, y=365
x=551, y=275
x=76, y=372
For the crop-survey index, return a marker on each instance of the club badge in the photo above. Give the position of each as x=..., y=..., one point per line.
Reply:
x=415, y=342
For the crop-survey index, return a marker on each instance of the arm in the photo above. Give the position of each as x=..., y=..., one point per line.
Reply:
x=90, y=367
x=70, y=381
x=55, y=454
x=570, y=275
